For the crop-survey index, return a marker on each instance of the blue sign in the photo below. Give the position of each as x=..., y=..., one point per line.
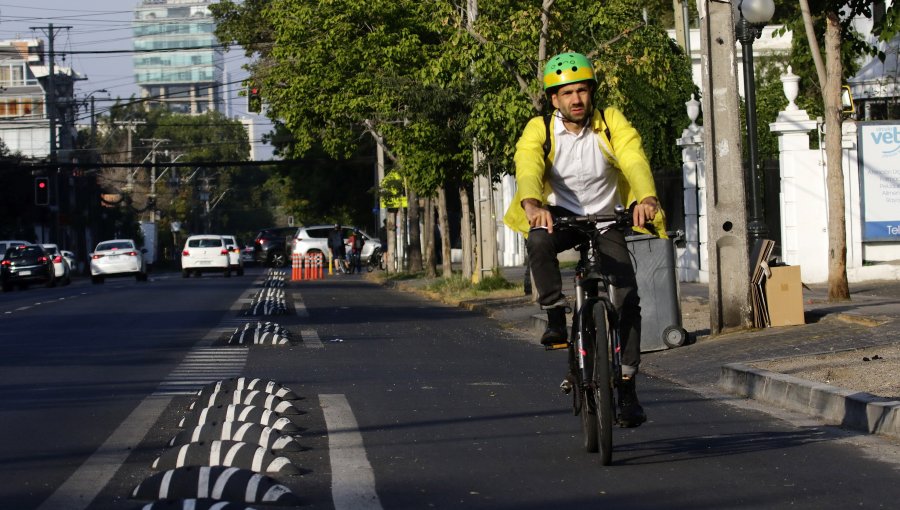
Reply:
x=879, y=147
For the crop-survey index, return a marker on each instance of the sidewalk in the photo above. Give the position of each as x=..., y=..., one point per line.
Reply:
x=711, y=365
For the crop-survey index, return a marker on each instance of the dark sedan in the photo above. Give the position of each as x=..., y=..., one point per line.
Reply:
x=24, y=265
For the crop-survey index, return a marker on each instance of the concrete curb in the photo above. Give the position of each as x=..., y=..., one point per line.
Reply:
x=852, y=410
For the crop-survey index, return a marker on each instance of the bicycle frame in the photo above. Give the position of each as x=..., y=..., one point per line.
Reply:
x=591, y=287
x=595, y=362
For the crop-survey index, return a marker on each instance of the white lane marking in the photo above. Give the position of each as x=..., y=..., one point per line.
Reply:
x=300, y=306
x=352, y=478
x=91, y=477
x=311, y=339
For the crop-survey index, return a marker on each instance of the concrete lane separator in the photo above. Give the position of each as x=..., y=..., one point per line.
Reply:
x=352, y=477
x=853, y=410
x=80, y=489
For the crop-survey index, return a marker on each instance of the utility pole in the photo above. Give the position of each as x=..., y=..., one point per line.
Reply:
x=482, y=196
x=51, y=115
x=726, y=199
x=151, y=198
x=130, y=124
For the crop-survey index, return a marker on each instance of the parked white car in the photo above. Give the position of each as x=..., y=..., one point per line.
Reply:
x=61, y=267
x=71, y=259
x=8, y=243
x=118, y=257
x=204, y=254
x=314, y=239
x=234, y=254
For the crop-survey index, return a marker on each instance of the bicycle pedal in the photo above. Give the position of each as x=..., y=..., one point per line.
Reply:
x=556, y=347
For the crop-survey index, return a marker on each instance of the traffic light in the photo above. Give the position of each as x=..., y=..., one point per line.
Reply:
x=41, y=191
x=254, y=103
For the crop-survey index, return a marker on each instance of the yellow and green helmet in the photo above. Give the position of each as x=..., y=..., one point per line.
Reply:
x=567, y=68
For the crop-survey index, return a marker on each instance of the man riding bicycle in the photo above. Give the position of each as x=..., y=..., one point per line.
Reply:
x=579, y=161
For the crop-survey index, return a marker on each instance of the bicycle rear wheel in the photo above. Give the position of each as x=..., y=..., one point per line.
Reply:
x=603, y=384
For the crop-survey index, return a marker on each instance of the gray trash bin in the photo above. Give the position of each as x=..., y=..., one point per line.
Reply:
x=657, y=281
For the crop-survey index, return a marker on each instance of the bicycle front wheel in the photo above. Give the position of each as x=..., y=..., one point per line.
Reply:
x=584, y=324
x=603, y=384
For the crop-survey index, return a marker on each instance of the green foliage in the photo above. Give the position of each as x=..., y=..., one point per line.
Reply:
x=412, y=72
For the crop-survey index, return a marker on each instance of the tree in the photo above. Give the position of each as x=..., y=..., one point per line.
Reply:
x=834, y=21
x=455, y=83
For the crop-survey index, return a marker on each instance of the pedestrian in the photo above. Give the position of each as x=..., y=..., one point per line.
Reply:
x=357, y=241
x=593, y=161
x=336, y=245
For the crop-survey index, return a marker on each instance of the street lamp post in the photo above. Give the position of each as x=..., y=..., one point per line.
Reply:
x=752, y=16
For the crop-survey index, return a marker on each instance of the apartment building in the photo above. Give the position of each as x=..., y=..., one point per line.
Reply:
x=24, y=112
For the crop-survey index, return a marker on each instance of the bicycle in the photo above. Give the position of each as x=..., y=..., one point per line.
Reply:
x=594, y=349
x=376, y=260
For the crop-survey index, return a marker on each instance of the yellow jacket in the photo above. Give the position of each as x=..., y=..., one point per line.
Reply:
x=624, y=152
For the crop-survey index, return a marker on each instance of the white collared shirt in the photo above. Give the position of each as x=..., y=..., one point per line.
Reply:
x=581, y=179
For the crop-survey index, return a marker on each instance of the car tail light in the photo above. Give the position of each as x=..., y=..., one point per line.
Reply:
x=5, y=263
x=131, y=253
x=185, y=253
x=97, y=256
x=224, y=251
x=57, y=259
x=42, y=259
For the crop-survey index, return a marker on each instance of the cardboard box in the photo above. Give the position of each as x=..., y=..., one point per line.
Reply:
x=784, y=296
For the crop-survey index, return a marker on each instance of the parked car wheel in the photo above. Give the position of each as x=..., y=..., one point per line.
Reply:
x=185, y=274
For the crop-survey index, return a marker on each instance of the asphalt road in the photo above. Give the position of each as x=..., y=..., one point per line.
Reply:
x=408, y=404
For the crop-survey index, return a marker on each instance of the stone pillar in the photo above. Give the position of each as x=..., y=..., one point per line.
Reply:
x=853, y=197
x=803, y=194
x=693, y=258
x=512, y=243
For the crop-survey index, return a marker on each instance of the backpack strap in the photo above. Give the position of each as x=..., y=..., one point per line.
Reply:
x=547, y=119
x=605, y=126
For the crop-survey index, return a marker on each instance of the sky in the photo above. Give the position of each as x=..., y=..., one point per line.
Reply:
x=97, y=25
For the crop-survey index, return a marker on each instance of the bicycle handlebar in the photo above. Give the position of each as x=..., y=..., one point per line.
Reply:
x=621, y=218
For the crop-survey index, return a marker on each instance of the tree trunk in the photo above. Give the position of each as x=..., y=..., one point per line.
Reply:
x=444, y=225
x=465, y=232
x=428, y=237
x=391, y=253
x=838, y=289
x=415, y=230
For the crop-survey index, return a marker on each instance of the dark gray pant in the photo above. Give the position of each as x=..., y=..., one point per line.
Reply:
x=615, y=259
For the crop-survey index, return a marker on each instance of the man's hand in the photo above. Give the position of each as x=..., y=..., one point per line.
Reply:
x=645, y=211
x=537, y=215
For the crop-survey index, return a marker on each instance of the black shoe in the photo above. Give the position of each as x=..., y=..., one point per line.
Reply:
x=631, y=414
x=556, y=327
x=553, y=336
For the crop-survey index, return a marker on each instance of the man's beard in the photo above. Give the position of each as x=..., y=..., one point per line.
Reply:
x=583, y=120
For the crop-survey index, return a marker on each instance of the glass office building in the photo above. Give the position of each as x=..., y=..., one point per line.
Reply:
x=178, y=62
